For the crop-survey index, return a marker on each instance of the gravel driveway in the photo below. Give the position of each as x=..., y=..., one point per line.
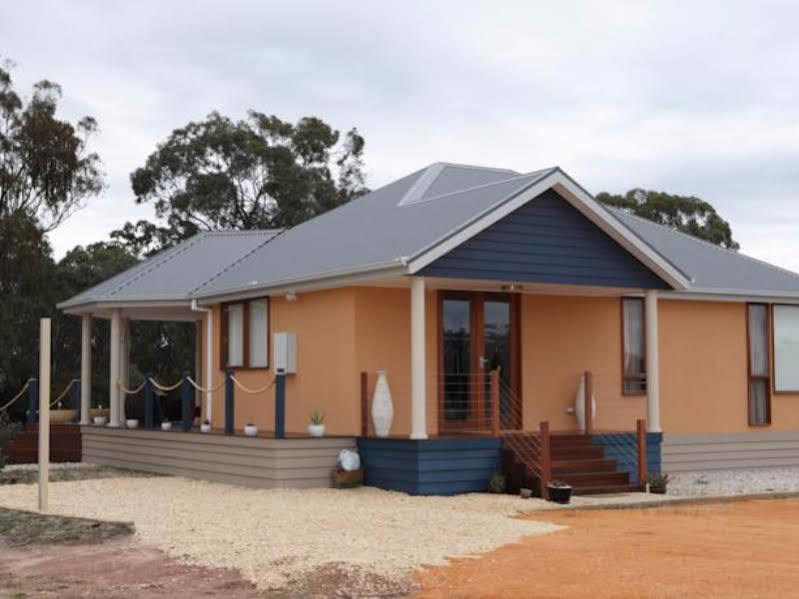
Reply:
x=275, y=536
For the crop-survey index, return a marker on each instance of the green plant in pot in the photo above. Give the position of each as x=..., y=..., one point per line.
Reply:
x=498, y=483
x=657, y=482
x=559, y=491
x=316, y=424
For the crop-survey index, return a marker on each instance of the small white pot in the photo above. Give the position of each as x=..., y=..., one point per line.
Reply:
x=316, y=430
x=250, y=430
x=99, y=420
x=166, y=425
x=132, y=423
x=205, y=428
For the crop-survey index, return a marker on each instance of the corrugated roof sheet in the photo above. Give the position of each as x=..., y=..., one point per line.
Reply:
x=388, y=226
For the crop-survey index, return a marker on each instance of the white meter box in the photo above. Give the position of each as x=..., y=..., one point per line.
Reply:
x=286, y=352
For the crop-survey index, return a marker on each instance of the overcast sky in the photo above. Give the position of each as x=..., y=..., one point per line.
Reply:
x=674, y=96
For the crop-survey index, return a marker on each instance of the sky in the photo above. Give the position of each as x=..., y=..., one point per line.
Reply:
x=693, y=98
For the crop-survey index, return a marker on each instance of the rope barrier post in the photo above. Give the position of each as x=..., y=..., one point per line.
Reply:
x=185, y=402
x=280, y=404
x=33, y=400
x=74, y=398
x=148, y=403
x=229, y=415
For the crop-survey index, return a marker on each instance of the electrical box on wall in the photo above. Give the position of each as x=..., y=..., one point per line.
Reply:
x=286, y=352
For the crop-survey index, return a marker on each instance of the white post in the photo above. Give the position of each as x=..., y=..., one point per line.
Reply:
x=418, y=377
x=124, y=365
x=44, y=411
x=113, y=374
x=652, y=363
x=85, y=368
x=198, y=361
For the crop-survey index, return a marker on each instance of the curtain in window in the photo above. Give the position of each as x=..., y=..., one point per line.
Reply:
x=786, y=348
x=259, y=316
x=634, y=337
x=235, y=335
x=758, y=340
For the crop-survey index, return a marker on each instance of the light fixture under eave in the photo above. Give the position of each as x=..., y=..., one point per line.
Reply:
x=291, y=296
x=512, y=287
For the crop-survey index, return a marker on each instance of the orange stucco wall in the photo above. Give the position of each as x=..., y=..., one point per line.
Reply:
x=342, y=332
x=561, y=338
x=703, y=371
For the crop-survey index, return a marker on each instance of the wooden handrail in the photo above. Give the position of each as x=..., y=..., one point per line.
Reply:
x=588, y=404
x=642, y=463
x=546, y=460
x=495, y=403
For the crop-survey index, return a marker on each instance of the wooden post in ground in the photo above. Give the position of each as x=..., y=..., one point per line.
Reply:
x=280, y=404
x=186, y=403
x=44, y=411
x=642, y=460
x=545, y=460
x=495, y=424
x=589, y=403
x=33, y=401
x=364, y=404
x=149, y=403
x=229, y=414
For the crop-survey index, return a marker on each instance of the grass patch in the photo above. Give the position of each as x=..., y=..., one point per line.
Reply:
x=20, y=528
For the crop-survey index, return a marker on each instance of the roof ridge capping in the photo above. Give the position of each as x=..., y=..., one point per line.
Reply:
x=709, y=244
x=431, y=173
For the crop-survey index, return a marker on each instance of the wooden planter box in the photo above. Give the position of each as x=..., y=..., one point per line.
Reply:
x=343, y=479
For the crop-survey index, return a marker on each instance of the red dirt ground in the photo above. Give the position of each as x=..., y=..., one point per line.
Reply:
x=739, y=549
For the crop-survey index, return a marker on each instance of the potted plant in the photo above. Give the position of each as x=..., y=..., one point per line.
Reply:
x=166, y=425
x=99, y=411
x=559, y=491
x=250, y=429
x=657, y=482
x=316, y=425
x=132, y=423
x=99, y=420
x=205, y=427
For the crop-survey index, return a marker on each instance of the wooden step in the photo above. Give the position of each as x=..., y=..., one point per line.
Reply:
x=583, y=465
x=594, y=479
x=577, y=453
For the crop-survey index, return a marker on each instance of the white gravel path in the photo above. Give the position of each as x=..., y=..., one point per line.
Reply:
x=734, y=482
x=272, y=536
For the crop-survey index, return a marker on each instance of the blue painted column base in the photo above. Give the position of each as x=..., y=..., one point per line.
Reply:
x=623, y=447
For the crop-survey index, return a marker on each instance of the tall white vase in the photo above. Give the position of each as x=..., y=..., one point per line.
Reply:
x=382, y=406
x=579, y=404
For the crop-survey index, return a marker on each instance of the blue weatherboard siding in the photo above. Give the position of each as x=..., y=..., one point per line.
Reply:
x=623, y=447
x=430, y=466
x=545, y=241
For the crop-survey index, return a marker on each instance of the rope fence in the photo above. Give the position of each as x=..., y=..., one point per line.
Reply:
x=266, y=387
x=130, y=391
x=64, y=392
x=11, y=402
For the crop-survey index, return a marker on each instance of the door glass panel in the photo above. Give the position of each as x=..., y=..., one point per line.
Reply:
x=457, y=358
x=496, y=353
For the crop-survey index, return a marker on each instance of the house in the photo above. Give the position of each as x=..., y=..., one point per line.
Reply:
x=438, y=279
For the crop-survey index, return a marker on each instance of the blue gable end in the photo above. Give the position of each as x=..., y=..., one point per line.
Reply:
x=545, y=241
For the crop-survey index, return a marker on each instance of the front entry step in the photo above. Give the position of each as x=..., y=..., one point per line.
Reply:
x=576, y=460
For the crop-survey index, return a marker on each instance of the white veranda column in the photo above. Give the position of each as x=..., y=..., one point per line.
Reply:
x=652, y=363
x=124, y=365
x=85, y=368
x=113, y=374
x=418, y=376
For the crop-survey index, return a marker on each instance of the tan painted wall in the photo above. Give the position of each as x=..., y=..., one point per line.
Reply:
x=383, y=331
x=703, y=371
x=561, y=338
x=326, y=376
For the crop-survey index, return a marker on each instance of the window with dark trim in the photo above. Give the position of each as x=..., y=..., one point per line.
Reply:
x=245, y=334
x=633, y=346
x=758, y=326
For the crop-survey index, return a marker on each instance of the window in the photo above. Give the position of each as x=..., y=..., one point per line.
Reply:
x=786, y=349
x=633, y=346
x=759, y=380
x=245, y=334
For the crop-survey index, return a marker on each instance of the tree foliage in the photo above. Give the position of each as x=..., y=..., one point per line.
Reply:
x=260, y=172
x=46, y=168
x=688, y=214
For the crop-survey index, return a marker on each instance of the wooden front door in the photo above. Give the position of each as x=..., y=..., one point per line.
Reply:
x=478, y=333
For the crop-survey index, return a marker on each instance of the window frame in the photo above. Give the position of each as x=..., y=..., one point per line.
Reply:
x=635, y=377
x=245, y=334
x=769, y=377
x=773, y=349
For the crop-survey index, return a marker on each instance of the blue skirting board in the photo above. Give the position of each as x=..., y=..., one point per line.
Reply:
x=623, y=447
x=430, y=466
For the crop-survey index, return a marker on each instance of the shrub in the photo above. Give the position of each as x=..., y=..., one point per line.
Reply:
x=497, y=483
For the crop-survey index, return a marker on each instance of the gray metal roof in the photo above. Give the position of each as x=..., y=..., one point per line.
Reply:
x=387, y=228
x=178, y=273
x=711, y=268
